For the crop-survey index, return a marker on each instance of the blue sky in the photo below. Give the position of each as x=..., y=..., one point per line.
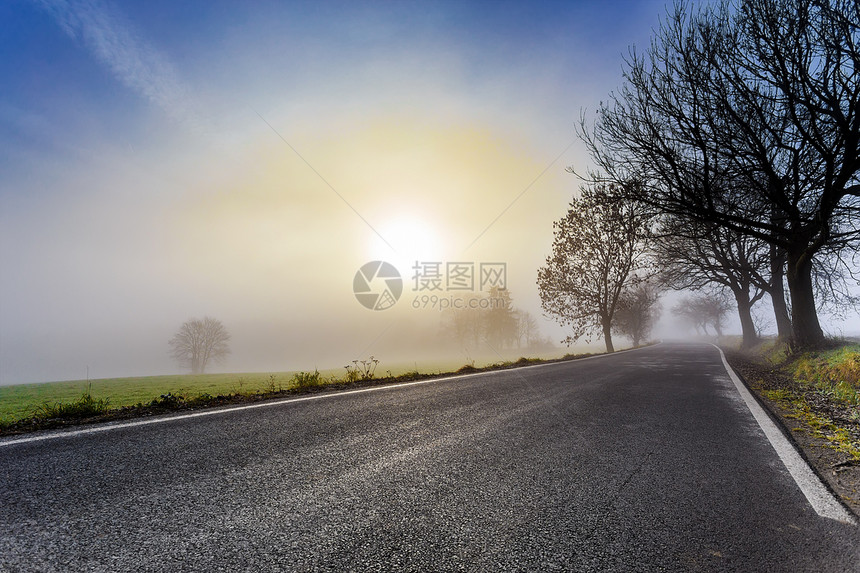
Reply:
x=146, y=174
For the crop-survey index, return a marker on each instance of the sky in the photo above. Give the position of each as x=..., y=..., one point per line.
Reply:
x=167, y=160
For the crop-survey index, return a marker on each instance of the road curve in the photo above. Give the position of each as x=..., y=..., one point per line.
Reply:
x=640, y=461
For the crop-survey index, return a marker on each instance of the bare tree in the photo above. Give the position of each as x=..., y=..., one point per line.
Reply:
x=527, y=328
x=703, y=310
x=638, y=310
x=696, y=255
x=686, y=310
x=746, y=113
x=597, y=247
x=200, y=342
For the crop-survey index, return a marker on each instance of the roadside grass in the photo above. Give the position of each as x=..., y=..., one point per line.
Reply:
x=84, y=407
x=821, y=426
x=834, y=372
x=27, y=407
x=307, y=379
x=775, y=352
x=826, y=385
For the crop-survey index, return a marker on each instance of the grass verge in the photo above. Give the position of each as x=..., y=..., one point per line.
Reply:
x=815, y=394
x=26, y=409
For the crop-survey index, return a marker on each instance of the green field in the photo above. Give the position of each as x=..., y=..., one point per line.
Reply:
x=24, y=400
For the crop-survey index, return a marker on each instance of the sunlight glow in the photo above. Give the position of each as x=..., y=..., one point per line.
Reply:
x=411, y=238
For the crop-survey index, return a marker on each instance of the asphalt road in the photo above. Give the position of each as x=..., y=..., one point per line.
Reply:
x=642, y=461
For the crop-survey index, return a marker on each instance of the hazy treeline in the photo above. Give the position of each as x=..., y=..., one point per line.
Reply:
x=493, y=320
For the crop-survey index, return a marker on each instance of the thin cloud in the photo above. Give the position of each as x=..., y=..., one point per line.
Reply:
x=136, y=63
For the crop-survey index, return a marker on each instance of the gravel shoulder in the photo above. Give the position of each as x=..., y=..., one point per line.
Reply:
x=782, y=395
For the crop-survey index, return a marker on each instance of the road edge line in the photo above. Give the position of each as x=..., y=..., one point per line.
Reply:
x=822, y=500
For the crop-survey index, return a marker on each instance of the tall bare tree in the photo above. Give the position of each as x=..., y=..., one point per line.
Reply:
x=598, y=246
x=746, y=113
x=200, y=342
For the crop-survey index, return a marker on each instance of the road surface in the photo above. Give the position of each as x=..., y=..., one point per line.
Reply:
x=641, y=461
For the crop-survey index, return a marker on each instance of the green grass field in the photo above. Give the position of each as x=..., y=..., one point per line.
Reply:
x=24, y=400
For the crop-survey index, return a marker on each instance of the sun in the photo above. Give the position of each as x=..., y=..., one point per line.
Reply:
x=404, y=239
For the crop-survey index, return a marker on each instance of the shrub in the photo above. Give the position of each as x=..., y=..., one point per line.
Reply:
x=307, y=379
x=168, y=401
x=273, y=385
x=83, y=407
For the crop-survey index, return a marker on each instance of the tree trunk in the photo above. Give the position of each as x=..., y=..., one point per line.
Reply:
x=780, y=312
x=750, y=338
x=777, y=294
x=607, y=335
x=805, y=329
x=195, y=363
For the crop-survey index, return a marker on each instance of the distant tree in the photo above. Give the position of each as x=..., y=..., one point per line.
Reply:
x=490, y=319
x=637, y=311
x=527, y=329
x=465, y=323
x=703, y=310
x=686, y=310
x=598, y=246
x=542, y=343
x=500, y=323
x=200, y=342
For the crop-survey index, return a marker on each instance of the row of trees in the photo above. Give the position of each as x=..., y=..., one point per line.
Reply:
x=704, y=310
x=734, y=141
x=493, y=319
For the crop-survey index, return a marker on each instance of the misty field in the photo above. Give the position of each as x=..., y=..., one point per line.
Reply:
x=24, y=400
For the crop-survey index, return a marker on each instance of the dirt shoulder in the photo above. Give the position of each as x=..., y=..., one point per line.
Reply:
x=823, y=428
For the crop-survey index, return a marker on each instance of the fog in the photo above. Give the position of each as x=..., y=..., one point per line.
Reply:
x=243, y=162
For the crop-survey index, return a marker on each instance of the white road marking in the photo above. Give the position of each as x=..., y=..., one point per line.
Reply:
x=819, y=497
x=215, y=411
